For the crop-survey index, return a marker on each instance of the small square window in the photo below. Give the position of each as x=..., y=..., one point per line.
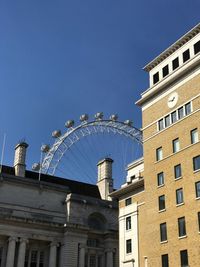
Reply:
x=197, y=47
x=188, y=108
x=165, y=71
x=161, y=124
x=174, y=117
x=184, y=258
x=128, y=223
x=194, y=136
x=181, y=227
x=156, y=77
x=175, y=63
x=165, y=260
x=198, y=215
x=177, y=171
x=163, y=232
x=167, y=120
x=180, y=113
x=159, y=154
x=176, y=145
x=179, y=196
x=186, y=55
x=160, y=178
x=197, y=187
x=161, y=202
x=196, y=163
x=128, y=246
x=128, y=201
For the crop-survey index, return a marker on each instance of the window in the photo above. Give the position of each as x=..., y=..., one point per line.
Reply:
x=167, y=120
x=128, y=201
x=181, y=227
x=1, y=253
x=176, y=145
x=186, y=55
x=198, y=214
x=179, y=196
x=175, y=63
x=177, y=171
x=194, y=136
x=165, y=71
x=160, y=178
x=34, y=255
x=197, y=47
x=128, y=223
x=165, y=260
x=161, y=202
x=197, y=187
x=184, y=258
x=163, y=232
x=156, y=77
x=196, y=163
x=161, y=124
x=180, y=113
x=188, y=108
x=41, y=264
x=174, y=117
x=128, y=246
x=159, y=153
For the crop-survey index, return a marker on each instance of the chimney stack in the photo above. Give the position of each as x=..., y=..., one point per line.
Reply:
x=20, y=158
x=105, y=181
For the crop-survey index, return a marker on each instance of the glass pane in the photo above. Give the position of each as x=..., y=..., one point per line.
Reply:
x=177, y=171
x=186, y=55
x=181, y=226
x=165, y=260
x=197, y=47
x=167, y=120
x=128, y=223
x=160, y=178
x=180, y=113
x=194, y=136
x=197, y=189
x=196, y=163
x=161, y=124
x=155, y=77
x=161, y=200
x=174, y=116
x=176, y=145
x=175, y=63
x=184, y=258
x=179, y=196
x=163, y=232
x=159, y=154
x=188, y=108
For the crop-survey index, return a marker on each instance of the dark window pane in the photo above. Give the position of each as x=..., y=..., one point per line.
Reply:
x=197, y=47
x=196, y=163
x=128, y=223
x=128, y=201
x=167, y=120
x=163, y=232
x=177, y=171
x=188, y=108
x=184, y=258
x=174, y=117
x=180, y=113
x=179, y=196
x=175, y=63
x=199, y=220
x=155, y=78
x=160, y=178
x=165, y=70
x=181, y=226
x=161, y=124
x=161, y=202
x=128, y=246
x=165, y=261
x=197, y=186
x=159, y=154
x=194, y=136
x=186, y=55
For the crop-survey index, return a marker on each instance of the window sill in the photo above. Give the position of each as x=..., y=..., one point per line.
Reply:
x=180, y=204
x=181, y=237
x=128, y=230
x=159, y=186
x=197, y=198
x=162, y=210
x=164, y=242
x=178, y=178
x=196, y=171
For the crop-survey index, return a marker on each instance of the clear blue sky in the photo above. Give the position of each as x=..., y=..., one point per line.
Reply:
x=59, y=59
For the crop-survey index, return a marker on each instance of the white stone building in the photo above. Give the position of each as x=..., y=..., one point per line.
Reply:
x=56, y=222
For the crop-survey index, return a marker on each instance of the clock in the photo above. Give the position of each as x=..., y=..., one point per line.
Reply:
x=172, y=100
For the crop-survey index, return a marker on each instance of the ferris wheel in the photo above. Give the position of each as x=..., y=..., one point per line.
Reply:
x=52, y=156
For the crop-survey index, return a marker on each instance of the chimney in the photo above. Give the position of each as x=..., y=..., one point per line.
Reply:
x=105, y=181
x=19, y=160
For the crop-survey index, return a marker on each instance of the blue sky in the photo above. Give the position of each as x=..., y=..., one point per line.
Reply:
x=59, y=59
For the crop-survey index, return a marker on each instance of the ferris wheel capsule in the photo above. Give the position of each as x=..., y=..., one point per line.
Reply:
x=84, y=117
x=99, y=116
x=36, y=167
x=69, y=124
x=128, y=122
x=114, y=117
x=45, y=148
x=56, y=134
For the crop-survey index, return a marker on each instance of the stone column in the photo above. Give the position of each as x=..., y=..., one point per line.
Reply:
x=53, y=254
x=82, y=256
x=109, y=258
x=11, y=251
x=22, y=252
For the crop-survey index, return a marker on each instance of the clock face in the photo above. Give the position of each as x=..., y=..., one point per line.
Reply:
x=172, y=100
